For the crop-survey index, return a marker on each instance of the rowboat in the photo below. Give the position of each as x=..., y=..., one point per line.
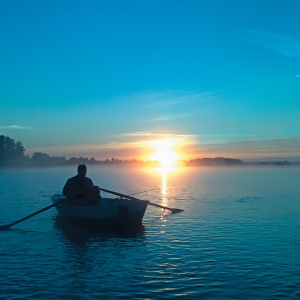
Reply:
x=123, y=210
x=110, y=211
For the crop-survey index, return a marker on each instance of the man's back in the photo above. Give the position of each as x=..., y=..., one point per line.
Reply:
x=76, y=184
x=80, y=189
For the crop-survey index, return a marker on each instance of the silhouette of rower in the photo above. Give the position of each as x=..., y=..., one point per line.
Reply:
x=80, y=190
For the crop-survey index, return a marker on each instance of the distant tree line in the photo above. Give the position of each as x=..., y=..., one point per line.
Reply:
x=218, y=161
x=222, y=161
x=12, y=155
x=11, y=152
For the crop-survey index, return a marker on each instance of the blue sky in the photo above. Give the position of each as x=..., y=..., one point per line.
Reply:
x=101, y=78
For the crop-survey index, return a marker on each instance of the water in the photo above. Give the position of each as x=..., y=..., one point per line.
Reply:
x=238, y=237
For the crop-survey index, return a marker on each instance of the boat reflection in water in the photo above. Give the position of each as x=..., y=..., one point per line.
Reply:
x=79, y=233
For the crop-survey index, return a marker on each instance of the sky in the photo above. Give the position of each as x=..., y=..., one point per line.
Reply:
x=106, y=78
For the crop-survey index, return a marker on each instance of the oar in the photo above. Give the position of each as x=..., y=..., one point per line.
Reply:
x=5, y=227
x=143, y=192
x=173, y=210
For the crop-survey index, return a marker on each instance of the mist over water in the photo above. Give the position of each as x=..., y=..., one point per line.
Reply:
x=237, y=238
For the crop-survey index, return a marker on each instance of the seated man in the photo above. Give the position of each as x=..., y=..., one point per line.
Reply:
x=80, y=189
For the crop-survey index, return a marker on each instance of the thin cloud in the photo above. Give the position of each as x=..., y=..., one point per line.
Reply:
x=164, y=118
x=283, y=44
x=250, y=148
x=137, y=134
x=155, y=99
x=171, y=98
x=163, y=107
x=14, y=127
x=147, y=135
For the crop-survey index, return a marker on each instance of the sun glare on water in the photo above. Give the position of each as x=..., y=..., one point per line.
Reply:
x=164, y=153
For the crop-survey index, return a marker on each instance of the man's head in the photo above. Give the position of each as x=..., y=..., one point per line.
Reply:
x=81, y=170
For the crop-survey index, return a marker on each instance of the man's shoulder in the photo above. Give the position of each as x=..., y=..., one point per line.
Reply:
x=88, y=179
x=76, y=179
x=73, y=178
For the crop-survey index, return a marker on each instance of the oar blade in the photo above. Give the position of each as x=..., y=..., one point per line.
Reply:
x=4, y=227
x=175, y=210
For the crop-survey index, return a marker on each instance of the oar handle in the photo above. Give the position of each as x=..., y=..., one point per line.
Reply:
x=33, y=214
x=133, y=198
x=119, y=194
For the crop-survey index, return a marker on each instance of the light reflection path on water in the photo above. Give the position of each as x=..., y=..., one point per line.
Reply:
x=164, y=172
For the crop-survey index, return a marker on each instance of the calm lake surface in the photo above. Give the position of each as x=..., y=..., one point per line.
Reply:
x=237, y=238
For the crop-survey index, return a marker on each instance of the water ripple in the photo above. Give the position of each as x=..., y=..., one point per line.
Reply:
x=237, y=241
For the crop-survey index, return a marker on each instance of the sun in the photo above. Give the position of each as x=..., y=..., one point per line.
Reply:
x=164, y=153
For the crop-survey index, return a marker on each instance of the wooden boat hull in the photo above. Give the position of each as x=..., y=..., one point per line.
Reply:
x=109, y=212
